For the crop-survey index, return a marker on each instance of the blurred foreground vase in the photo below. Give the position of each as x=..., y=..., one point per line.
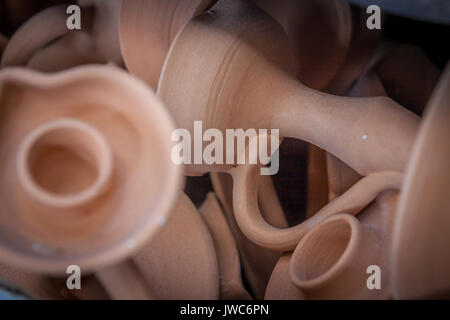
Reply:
x=423, y=218
x=147, y=29
x=80, y=181
x=181, y=261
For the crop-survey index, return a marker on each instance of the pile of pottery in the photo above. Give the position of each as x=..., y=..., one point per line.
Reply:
x=87, y=177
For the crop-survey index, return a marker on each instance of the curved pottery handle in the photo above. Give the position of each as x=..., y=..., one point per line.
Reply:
x=41, y=29
x=253, y=225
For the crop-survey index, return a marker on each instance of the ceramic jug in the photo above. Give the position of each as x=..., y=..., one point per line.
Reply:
x=213, y=49
x=333, y=261
x=280, y=286
x=81, y=175
x=421, y=270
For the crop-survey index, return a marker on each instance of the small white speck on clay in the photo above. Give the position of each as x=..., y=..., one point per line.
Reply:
x=131, y=244
x=364, y=137
x=162, y=221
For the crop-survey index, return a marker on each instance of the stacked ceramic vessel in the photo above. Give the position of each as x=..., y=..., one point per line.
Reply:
x=88, y=176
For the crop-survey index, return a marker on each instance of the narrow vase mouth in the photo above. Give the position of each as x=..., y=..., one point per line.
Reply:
x=325, y=252
x=64, y=163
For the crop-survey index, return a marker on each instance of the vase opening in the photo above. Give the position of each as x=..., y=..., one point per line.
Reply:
x=325, y=251
x=64, y=163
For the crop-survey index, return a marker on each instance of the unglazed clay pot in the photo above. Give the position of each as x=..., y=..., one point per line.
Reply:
x=180, y=262
x=231, y=286
x=420, y=255
x=81, y=184
x=257, y=262
x=331, y=261
x=150, y=26
x=372, y=135
x=44, y=43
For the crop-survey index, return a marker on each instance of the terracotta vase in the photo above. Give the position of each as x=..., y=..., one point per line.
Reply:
x=257, y=262
x=213, y=49
x=420, y=255
x=320, y=32
x=365, y=50
x=150, y=26
x=332, y=260
x=44, y=43
x=231, y=286
x=180, y=261
x=80, y=187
